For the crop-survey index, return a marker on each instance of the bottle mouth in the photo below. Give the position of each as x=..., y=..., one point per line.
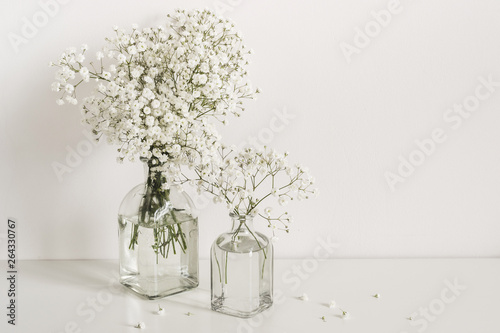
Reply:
x=241, y=218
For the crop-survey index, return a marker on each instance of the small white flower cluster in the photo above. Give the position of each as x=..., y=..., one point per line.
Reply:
x=160, y=87
x=245, y=179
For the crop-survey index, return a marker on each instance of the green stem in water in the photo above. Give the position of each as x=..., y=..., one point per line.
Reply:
x=225, y=269
x=263, y=251
x=134, y=237
x=165, y=235
x=218, y=266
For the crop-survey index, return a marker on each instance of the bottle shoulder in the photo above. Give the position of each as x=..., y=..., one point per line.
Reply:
x=140, y=199
x=243, y=242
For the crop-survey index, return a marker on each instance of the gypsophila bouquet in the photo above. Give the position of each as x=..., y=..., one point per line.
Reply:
x=246, y=179
x=157, y=87
x=155, y=91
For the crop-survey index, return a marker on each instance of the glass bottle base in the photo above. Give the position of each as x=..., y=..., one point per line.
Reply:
x=223, y=305
x=159, y=288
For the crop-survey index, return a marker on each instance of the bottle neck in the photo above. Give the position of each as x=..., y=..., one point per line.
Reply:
x=241, y=223
x=146, y=171
x=151, y=178
x=156, y=178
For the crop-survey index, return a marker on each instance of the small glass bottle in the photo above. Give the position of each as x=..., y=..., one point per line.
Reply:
x=158, y=239
x=241, y=264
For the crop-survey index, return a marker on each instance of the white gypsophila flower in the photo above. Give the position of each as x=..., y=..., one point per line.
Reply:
x=332, y=304
x=69, y=88
x=80, y=58
x=84, y=72
x=132, y=50
x=283, y=201
x=136, y=73
x=56, y=86
x=155, y=104
x=106, y=75
x=140, y=325
x=304, y=297
x=121, y=58
x=268, y=211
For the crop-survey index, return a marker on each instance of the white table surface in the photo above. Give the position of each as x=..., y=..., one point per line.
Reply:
x=83, y=296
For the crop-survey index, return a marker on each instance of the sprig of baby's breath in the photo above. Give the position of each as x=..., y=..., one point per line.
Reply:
x=246, y=179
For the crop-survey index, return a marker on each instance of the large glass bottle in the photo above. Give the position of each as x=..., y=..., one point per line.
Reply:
x=158, y=239
x=241, y=270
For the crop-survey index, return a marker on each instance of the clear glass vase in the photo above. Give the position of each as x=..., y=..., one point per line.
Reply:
x=158, y=239
x=241, y=264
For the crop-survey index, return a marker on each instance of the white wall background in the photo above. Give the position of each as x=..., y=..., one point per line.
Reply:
x=351, y=123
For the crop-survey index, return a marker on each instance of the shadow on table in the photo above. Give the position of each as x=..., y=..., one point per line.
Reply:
x=84, y=273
